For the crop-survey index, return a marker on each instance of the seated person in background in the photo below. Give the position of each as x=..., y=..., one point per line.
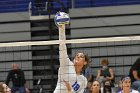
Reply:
x=105, y=73
x=107, y=86
x=4, y=88
x=18, y=79
x=126, y=86
x=95, y=87
x=89, y=84
x=135, y=75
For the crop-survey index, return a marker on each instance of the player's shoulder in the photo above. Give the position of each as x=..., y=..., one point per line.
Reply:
x=84, y=78
x=135, y=91
x=81, y=76
x=71, y=62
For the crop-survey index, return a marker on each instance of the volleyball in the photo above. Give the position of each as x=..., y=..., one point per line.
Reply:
x=61, y=18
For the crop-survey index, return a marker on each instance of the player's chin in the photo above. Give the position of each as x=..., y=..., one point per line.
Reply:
x=78, y=65
x=7, y=92
x=95, y=88
x=127, y=86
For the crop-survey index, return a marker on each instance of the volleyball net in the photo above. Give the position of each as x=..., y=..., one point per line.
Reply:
x=73, y=41
x=40, y=56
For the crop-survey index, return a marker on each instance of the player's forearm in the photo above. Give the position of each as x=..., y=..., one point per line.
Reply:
x=63, y=56
x=62, y=35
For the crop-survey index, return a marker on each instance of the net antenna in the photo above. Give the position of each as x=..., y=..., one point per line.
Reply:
x=87, y=40
x=30, y=8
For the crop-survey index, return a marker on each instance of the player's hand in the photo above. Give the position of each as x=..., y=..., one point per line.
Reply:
x=67, y=86
x=61, y=27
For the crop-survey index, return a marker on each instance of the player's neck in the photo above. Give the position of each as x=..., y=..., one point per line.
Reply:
x=126, y=90
x=78, y=71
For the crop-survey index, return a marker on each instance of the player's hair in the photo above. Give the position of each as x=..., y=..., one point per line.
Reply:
x=87, y=59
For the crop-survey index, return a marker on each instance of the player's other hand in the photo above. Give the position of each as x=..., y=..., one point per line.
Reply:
x=67, y=86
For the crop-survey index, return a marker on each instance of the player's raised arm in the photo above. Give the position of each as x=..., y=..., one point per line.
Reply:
x=62, y=19
x=63, y=56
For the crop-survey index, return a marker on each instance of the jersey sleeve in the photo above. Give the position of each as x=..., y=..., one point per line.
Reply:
x=67, y=70
x=63, y=56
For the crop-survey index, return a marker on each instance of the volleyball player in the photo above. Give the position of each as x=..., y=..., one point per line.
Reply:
x=70, y=71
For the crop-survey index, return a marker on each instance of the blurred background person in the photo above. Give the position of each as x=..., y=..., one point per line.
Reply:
x=4, y=88
x=105, y=73
x=107, y=86
x=135, y=75
x=126, y=86
x=95, y=87
x=18, y=79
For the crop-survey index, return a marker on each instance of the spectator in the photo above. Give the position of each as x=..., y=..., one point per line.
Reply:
x=134, y=74
x=95, y=88
x=89, y=84
x=126, y=86
x=4, y=88
x=105, y=73
x=18, y=79
x=107, y=86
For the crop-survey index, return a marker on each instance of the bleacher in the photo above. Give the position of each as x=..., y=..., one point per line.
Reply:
x=97, y=3
x=23, y=5
x=13, y=5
